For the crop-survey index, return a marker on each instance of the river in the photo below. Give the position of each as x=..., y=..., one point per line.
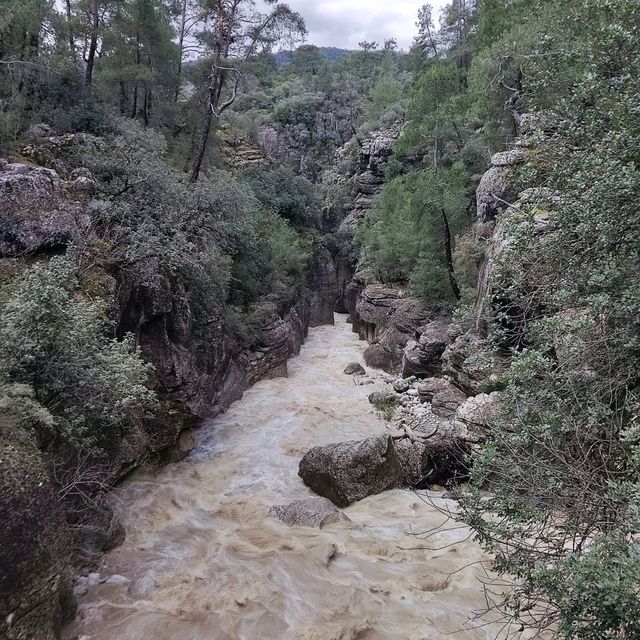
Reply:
x=214, y=566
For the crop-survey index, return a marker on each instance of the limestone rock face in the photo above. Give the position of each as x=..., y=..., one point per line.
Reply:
x=322, y=279
x=387, y=319
x=312, y=512
x=468, y=372
x=349, y=471
x=364, y=177
x=35, y=587
x=37, y=212
x=477, y=412
x=421, y=358
x=497, y=189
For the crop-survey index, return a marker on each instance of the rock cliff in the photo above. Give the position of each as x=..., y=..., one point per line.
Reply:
x=201, y=365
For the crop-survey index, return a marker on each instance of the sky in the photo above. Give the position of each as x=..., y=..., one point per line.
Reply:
x=345, y=23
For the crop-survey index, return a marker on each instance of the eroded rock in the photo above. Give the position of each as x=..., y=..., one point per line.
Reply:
x=355, y=368
x=312, y=512
x=445, y=403
x=349, y=471
x=421, y=358
x=429, y=387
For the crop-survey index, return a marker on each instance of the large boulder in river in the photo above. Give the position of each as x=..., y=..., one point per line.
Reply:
x=354, y=368
x=312, y=512
x=349, y=471
x=421, y=358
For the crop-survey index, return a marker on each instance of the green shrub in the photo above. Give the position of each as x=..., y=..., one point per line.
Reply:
x=56, y=342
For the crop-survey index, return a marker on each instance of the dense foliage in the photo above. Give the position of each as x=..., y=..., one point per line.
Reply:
x=562, y=457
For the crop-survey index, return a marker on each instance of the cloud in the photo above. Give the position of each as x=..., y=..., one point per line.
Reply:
x=344, y=23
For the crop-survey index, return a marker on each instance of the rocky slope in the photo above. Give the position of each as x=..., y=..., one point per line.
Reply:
x=442, y=403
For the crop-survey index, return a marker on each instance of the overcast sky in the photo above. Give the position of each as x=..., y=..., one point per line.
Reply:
x=344, y=23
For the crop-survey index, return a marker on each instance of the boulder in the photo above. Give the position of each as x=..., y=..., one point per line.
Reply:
x=421, y=358
x=380, y=397
x=477, y=412
x=445, y=403
x=312, y=512
x=401, y=385
x=377, y=357
x=429, y=387
x=349, y=471
x=355, y=368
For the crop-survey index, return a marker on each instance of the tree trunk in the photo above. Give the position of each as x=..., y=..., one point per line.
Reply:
x=123, y=98
x=201, y=143
x=93, y=43
x=183, y=22
x=72, y=46
x=449, y=253
x=134, y=107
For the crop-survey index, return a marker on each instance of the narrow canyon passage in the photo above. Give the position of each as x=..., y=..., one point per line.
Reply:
x=205, y=562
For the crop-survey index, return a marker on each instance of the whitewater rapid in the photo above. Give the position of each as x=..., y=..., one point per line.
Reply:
x=213, y=565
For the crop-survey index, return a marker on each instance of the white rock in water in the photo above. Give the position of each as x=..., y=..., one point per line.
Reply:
x=93, y=579
x=117, y=579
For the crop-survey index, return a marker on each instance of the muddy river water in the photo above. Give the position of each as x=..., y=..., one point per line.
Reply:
x=208, y=563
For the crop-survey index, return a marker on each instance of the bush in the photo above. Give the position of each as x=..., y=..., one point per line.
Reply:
x=56, y=342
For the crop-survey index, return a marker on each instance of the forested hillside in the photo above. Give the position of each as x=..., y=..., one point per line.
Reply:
x=186, y=187
x=558, y=83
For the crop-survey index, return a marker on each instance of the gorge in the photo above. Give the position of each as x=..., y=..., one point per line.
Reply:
x=302, y=342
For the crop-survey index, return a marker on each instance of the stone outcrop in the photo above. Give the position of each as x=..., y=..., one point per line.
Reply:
x=362, y=179
x=429, y=387
x=312, y=512
x=497, y=189
x=349, y=471
x=387, y=319
x=40, y=210
x=470, y=365
x=354, y=368
x=322, y=279
x=422, y=357
x=477, y=412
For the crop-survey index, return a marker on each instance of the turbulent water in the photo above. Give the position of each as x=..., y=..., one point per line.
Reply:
x=212, y=565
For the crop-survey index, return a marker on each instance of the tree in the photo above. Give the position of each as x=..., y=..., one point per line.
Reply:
x=191, y=15
x=368, y=46
x=427, y=39
x=239, y=32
